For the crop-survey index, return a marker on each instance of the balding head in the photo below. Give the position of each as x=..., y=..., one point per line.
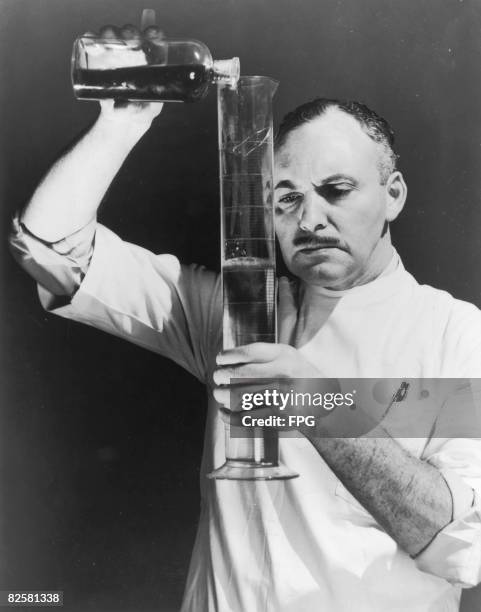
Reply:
x=373, y=125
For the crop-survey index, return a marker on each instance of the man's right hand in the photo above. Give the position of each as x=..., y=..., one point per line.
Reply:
x=102, y=57
x=68, y=197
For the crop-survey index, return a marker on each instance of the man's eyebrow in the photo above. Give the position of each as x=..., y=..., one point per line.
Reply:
x=339, y=177
x=285, y=184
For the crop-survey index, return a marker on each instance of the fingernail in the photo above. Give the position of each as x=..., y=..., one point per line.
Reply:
x=147, y=18
x=218, y=377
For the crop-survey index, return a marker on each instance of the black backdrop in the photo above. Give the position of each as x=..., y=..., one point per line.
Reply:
x=100, y=440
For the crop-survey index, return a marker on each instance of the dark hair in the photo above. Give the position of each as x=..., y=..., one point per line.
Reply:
x=375, y=126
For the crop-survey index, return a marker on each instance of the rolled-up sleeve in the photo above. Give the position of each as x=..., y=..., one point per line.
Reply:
x=58, y=267
x=455, y=553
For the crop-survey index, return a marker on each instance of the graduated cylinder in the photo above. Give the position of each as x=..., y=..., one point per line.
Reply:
x=248, y=252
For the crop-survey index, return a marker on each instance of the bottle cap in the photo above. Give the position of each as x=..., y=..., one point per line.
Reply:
x=227, y=71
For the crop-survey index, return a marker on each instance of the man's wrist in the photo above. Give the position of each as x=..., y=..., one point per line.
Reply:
x=122, y=128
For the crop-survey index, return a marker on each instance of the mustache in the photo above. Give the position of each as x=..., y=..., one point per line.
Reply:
x=313, y=241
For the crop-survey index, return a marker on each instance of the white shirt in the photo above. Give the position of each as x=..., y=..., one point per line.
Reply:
x=304, y=544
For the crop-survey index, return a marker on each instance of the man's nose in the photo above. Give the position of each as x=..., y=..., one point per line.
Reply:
x=313, y=213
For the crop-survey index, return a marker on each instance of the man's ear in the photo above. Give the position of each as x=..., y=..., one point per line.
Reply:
x=396, y=191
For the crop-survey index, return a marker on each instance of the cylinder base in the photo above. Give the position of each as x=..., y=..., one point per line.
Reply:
x=243, y=470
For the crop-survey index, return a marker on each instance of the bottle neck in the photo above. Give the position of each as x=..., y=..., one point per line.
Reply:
x=226, y=71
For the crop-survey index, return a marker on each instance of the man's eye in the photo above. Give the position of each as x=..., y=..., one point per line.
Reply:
x=288, y=201
x=335, y=191
x=290, y=197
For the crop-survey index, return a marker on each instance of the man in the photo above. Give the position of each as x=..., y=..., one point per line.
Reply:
x=372, y=523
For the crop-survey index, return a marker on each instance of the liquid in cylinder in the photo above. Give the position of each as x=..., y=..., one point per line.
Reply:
x=249, y=301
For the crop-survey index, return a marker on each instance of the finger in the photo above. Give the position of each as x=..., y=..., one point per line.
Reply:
x=129, y=32
x=235, y=418
x=147, y=19
x=247, y=397
x=287, y=313
x=89, y=39
x=257, y=352
x=225, y=415
x=153, y=33
x=109, y=32
x=264, y=374
x=222, y=396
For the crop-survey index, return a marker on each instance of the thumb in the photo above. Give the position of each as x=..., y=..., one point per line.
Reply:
x=147, y=19
x=287, y=312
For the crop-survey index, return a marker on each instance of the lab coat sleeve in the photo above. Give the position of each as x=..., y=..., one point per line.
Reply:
x=455, y=449
x=96, y=278
x=455, y=552
x=59, y=266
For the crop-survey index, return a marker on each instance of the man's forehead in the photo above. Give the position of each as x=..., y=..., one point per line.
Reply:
x=328, y=142
x=283, y=158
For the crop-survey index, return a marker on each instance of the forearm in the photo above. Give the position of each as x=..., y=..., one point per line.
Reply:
x=408, y=497
x=70, y=193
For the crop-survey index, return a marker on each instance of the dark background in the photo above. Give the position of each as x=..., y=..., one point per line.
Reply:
x=100, y=440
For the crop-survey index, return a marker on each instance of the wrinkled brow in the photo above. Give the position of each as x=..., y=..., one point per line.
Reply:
x=285, y=184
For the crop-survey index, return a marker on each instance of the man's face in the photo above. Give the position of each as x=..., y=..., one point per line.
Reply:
x=330, y=206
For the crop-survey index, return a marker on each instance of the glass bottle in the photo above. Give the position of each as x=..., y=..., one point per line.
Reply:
x=147, y=69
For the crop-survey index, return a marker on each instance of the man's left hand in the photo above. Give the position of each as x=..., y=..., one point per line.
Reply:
x=260, y=360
